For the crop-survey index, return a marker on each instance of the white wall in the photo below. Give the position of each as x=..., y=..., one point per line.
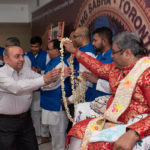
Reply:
x=14, y=13
x=44, y=2
x=19, y=13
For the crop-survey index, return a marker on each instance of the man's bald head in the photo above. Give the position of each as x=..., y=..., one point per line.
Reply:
x=8, y=50
x=81, y=37
x=83, y=31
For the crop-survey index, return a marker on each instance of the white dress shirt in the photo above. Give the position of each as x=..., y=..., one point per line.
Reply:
x=16, y=89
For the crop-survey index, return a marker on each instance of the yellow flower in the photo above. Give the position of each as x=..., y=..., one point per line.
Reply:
x=147, y=60
x=95, y=127
x=128, y=81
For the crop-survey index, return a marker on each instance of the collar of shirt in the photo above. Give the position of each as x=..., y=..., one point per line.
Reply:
x=88, y=48
x=10, y=71
x=104, y=55
x=107, y=53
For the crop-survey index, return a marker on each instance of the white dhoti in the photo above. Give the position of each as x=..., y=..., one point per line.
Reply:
x=40, y=130
x=57, y=122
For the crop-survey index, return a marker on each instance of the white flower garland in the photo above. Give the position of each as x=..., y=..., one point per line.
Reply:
x=62, y=80
x=77, y=95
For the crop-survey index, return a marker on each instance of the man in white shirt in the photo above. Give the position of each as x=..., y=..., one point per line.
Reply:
x=16, y=86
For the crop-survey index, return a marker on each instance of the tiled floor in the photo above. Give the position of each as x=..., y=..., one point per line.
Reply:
x=46, y=146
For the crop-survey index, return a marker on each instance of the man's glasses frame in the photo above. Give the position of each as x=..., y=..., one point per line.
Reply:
x=115, y=52
x=76, y=36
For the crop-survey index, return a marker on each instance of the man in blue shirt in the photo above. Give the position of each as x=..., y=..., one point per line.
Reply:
x=37, y=59
x=37, y=56
x=81, y=40
x=1, y=56
x=53, y=113
x=102, y=42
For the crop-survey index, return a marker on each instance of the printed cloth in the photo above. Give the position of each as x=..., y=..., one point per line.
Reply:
x=92, y=109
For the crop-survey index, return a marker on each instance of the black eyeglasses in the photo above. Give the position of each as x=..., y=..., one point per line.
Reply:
x=75, y=36
x=115, y=52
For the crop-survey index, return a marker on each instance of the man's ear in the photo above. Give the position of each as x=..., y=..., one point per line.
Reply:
x=5, y=59
x=104, y=41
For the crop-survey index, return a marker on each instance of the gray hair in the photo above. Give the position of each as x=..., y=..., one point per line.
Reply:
x=12, y=41
x=132, y=41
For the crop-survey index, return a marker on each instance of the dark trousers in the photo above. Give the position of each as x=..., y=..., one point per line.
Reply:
x=17, y=132
x=71, y=109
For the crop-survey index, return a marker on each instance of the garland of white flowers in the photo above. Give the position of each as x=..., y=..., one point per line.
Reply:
x=62, y=80
x=77, y=95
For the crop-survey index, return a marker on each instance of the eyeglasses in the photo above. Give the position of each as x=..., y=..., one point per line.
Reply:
x=115, y=52
x=75, y=36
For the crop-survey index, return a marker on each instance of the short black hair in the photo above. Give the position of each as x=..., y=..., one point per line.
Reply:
x=12, y=41
x=104, y=32
x=56, y=44
x=36, y=39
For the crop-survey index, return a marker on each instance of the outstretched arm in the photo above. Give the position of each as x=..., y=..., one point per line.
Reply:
x=31, y=82
x=98, y=68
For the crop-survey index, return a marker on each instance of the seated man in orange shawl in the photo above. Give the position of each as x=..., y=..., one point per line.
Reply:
x=129, y=78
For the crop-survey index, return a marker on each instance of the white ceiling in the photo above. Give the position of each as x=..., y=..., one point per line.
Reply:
x=15, y=1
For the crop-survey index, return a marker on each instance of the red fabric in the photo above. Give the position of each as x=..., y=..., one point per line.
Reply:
x=142, y=127
x=100, y=146
x=78, y=130
x=140, y=102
